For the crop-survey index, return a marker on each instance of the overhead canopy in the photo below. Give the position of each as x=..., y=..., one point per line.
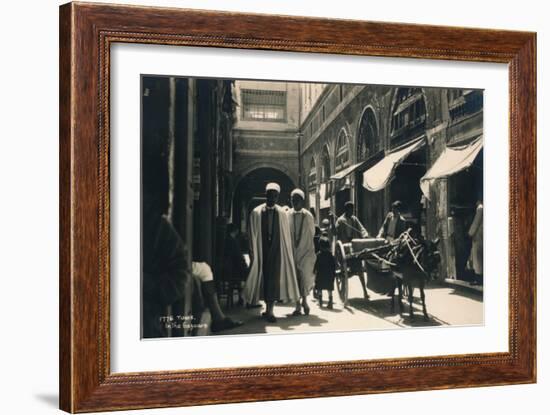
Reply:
x=378, y=176
x=340, y=180
x=334, y=186
x=451, y=161
x=345, y=172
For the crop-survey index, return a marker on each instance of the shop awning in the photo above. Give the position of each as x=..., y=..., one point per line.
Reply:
x=451, y=161
x=378, y=176
x=340, y=181
x=345, y=172
x=334, y=186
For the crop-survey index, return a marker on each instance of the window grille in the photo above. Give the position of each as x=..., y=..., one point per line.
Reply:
x=264, y=105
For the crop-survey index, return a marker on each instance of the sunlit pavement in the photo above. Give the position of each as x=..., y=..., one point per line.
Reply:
x=447, y=306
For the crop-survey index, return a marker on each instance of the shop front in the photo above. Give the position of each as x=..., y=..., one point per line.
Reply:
x=400, y=171
x=461, y=167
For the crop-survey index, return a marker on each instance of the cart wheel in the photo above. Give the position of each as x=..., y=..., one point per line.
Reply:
x=342, y=273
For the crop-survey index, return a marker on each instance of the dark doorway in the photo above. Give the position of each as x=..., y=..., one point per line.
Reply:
x=405, y=185
x=465, y=188
x=341, y=198
x=370, y=207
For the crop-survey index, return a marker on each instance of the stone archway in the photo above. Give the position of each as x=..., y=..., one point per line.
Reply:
x=250, y=192
x=368, y=140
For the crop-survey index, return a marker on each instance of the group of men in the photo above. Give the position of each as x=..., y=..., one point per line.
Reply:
x=283, y=253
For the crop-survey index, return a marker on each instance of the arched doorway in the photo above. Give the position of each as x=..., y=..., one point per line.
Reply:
x=370, y=205
x=250, y=192
x=367, y=136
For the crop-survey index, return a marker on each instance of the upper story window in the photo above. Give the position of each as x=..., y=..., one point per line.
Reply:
x=464, y=102
x=409, y=112
x=263, y=105
x=367, y=137
x=342, y=152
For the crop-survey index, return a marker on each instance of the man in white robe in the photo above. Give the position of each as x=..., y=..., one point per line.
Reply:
x=302, y=232
x=272, y=275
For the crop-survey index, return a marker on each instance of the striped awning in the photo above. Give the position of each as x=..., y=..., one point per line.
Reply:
x=335, y=185
x=451, y=161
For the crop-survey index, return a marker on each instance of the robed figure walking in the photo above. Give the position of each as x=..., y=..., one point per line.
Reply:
x=302, y=232
x=272, y=275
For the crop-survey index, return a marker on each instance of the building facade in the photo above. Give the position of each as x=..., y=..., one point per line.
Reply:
x=354, y=129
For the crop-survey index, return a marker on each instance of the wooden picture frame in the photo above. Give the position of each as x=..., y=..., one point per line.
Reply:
x=86, y=33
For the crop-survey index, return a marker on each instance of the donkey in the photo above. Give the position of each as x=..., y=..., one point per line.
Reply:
x=413, y=260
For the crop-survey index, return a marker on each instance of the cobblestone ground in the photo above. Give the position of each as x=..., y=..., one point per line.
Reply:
x=447, y=306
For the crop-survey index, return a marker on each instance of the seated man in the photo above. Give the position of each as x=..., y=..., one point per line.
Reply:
x=167, y=283
x=203, y=272
x=348, y=227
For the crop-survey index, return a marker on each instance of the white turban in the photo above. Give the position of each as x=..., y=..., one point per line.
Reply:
x=298, y=192
x=273, y=186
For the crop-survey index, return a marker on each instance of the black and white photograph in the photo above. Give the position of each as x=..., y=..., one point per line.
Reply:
x=272, y=207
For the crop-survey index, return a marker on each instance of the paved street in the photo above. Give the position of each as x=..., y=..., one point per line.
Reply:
x=446, y=306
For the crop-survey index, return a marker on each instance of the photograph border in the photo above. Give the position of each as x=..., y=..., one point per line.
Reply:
x=86, y=33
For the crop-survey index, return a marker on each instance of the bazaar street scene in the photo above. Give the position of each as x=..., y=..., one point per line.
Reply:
x=291, y=207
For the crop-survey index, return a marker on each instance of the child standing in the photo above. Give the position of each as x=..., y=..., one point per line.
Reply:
x=325, y=272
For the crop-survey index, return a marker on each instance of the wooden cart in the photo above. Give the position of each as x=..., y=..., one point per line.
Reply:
x=361, y=256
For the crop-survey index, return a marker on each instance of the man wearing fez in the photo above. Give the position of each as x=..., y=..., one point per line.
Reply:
x=272, y=275
x=348, y=227
x=302, y=231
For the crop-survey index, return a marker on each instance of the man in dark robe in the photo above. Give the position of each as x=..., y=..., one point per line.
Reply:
x=272, y=274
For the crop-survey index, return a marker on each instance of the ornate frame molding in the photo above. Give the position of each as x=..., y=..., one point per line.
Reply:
x=86, y=33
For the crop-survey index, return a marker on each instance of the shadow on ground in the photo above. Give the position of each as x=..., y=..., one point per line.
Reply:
x=381, y=307
x=254, y=323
